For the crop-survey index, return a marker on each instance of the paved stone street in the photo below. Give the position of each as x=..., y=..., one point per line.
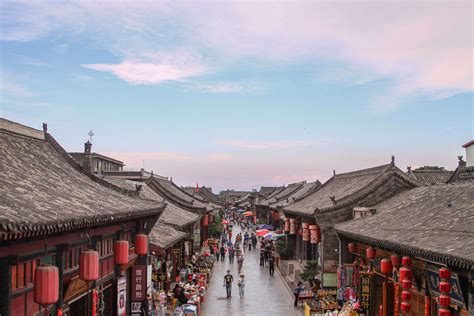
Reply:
x=264, y=295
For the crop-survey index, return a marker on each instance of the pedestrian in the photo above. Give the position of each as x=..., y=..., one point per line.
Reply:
x=222, y=252
x=262, y=258
x=296, y=292
x=231, y=254
x=217, y=254
x=241, y=284
x=240, y=261
x=182, y=299
x=228, y=279
x=250, y=244
x=271, y=265
x=145, y=306
x=254, y=241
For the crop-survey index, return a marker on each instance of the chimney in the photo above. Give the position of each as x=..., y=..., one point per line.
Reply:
x=469, y=153
x=86, y=158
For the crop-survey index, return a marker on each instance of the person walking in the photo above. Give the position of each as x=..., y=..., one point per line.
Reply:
x=231, y=254
x=262, y=258
x=222, y=253
x=240, y=261
x=228, y=279
x=241, y=284
x=254, y=241
x=216, y=250
x=250, y=244
x=296, y=292
x=271, y=265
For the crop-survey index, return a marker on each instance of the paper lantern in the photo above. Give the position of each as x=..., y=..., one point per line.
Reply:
x=444, y=273
x=141, y=244
x=406, y=261
x=405, y=273
x=305, y=225
x=46, y=286
x=407, y=284
x=89, y=265
x=386, y=266
x=287, y=225
x=370, y=253
x=352, y=247
x=315, y=237
x=306, y=234
x=121, y=252
x=395, y=260
x=445, y=287
x=444, y=312
x=406, y=295
x=445, y=300
x=406, y=307
x=205, y=220
x=292, y=226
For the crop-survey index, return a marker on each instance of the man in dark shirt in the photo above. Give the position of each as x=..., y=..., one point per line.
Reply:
x=271, y=265
x=228, y=279
x=145, y=306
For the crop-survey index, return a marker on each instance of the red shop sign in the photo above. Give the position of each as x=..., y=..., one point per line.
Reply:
x=138, y=283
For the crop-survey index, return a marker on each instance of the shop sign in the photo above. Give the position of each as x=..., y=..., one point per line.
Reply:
x=433, y=283
x=366, y=291
x=122, y=296
x=139, y=283
x=149, y=272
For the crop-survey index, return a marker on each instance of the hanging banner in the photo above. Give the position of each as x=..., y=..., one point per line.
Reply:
x=122, y=296
x=366, y=292
x=139, y=283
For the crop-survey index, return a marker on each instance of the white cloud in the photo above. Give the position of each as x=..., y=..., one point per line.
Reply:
x=137, y=158
x=219, y=157
x=421, y=46
x=9, y=87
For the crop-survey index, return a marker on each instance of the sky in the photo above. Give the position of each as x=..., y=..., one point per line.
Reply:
x=244, y=94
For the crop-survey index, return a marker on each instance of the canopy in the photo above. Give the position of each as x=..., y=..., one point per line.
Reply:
x=276, y=236
x=248, y=214
x=265, y=226
x=262, y=232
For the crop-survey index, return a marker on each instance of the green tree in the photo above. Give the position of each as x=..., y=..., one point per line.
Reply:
x=215, y=229
x=310, y=270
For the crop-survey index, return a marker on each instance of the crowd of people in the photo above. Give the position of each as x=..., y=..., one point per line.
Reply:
x=233, y=246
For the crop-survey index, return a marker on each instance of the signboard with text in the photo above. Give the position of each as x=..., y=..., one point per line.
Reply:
x=433, y=279
x=122, y=296
x=366, y=291
x=139, y=283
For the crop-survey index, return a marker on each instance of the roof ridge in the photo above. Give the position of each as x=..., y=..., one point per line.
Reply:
x=361, y=172
x=20, y=129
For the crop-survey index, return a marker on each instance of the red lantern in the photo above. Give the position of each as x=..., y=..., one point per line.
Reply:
x=406, y=284
x=305, y=225
x=89, y=265
x=46, y=286
x=352, y=247
x=141, y=244
x=445, y=287
x=444, y=273
x=287, y=224
x=121, y=252
x=292, y=226
x=386, y=266
x=306, y=234
x=205, y=220
x=315, y=234
x=405, y=273
x=395, y=260
x=444, y=312
x=406, y=307
x=406, y=295
x=370, y=253
x=406, y=261
x=445, y=300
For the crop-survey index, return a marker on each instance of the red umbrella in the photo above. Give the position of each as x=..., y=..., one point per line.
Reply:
x=262, y=232
x=248, y=214
x=225, y=222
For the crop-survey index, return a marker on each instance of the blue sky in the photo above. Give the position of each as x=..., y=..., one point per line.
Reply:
x=239, y=95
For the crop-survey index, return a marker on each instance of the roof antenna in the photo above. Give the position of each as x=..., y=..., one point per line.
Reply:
x=91, y=133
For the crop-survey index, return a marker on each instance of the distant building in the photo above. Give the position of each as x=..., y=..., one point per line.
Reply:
x=99, y=163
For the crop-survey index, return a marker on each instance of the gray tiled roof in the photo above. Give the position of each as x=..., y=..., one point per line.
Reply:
x=307, y=188
x=42, y=189
x=436, y=222
x=173, y=193
x=266, y=191
x=172, y=214
x=343, y=187
x=287, y=191
x=164, y=236
x=430, y=177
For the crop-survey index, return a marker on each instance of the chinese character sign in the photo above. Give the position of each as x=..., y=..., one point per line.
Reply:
x=366, y=292
x=139, y=283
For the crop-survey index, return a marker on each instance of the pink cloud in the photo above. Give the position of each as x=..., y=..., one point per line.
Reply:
x=137, y=158
x=219, y=157
x=267, y=145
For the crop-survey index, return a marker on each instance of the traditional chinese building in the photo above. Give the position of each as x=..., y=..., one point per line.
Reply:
x=99, y=163
x=339, y=199
x=434, y=227
x=52, y=209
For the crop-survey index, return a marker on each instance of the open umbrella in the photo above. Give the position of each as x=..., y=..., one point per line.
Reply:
x=225, y=222
x=265, y=226
x=240, y=211
x=248, y=214
x=268, y=235
x=277, y=236
x=262, y=232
